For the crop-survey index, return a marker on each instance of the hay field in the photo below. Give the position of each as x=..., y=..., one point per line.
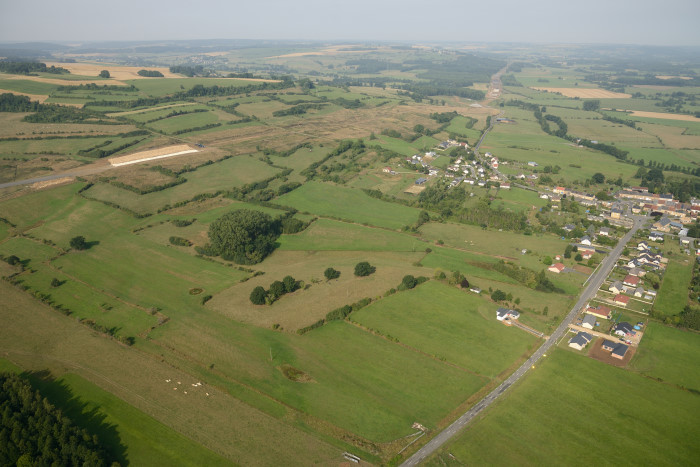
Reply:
x=665, y=116
x=584, y=93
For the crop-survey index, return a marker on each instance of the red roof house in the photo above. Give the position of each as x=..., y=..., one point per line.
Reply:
x=621, y=300
x=556, y=267
x=631, y=280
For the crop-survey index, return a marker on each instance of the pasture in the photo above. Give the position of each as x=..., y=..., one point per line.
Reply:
x=329, y=200
x=164, y=86
x=451, y=324
x=669, y=354
x=560, y=412
x=673, y=294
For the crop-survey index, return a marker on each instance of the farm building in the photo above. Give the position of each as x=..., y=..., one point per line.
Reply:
x=588, y=321
x=421, y=181
x=621, y=300
x=580, y=340
x=600, y=311
x=556, y=268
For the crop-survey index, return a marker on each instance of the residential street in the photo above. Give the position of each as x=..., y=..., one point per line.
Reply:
x=589, y=292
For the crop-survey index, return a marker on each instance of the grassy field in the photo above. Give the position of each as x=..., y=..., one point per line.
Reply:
x=335, y=201
x=560, y=412
x=219, y=176
x=164, y=86
x=673, y=294
x=36, y=338
x=670, y=355
x=449, y=324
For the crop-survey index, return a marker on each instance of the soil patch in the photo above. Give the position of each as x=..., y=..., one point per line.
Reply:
x=598, y=353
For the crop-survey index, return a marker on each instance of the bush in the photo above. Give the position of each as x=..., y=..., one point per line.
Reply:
x=409, y=281
x=290, y=284
x=55, y=282
x=498, y=295
x=179, y=241
x=331, y=273
x=363, y=269
x=12, y=260
x=290, y=225
x=258, y=296
x=277, y=289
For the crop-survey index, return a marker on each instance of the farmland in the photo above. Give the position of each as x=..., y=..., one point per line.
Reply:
x=561, y=413
x=119, y=329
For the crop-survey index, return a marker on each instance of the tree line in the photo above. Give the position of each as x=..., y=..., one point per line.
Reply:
x=29, y=68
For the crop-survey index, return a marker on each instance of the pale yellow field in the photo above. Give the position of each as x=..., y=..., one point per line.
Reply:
x=586, y=93
x=672, y=77
x=35, y=97
x=118, y=72
x=665, y=116
x=339, y=49
x=150, y=153
x=64, y=82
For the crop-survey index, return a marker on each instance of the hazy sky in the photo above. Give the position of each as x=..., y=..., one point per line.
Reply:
x=652, y=22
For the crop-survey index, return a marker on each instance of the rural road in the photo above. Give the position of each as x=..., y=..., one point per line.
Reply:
x=77, y=172
x=589, y=292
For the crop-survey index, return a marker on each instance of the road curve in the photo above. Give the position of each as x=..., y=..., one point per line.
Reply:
x=593, y=285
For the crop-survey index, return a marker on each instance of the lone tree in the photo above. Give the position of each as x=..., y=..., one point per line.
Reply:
x=409, y=281
x=498, y=295
x=290, y=284
x=78, y=243
x=331, y=273
x=104, y=74
x=364, y=269
x=244, y=236
x=12, y=260
x=258, y=295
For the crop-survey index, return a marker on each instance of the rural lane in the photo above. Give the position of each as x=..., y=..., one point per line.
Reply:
x=589, y=292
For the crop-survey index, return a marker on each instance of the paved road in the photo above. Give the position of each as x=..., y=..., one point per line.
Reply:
x=589, y=292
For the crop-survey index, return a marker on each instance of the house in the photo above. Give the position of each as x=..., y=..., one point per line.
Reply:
x=616, y=287
x=387, y=170
x=656, y=237
x=505, y=186
x=569, y=227
x=588, y=321
x=532, y=164
x=421, y=181
x=586, y=254
x=620, y=351
x=634, y=271
x=580, y=340
x=505, y=313
x=615, y=213
x=632, y=281
x=643, y=246
x=609, y=345
x=639, y=291
x=686, y=241
x=663, y=224
x=586, y=240
x=600, y=311
x=621, y=300
x=543, y=195
x=556, y=268
x=605, y=231
x=624, y=329
x=651, y=292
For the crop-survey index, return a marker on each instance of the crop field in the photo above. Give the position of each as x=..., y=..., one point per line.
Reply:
x=669, y=354
x=585, y=93
x=562, y=414
x=449, y=324
x=673, y=294
x=345, y=203
x=164, y=86
x=26, y=86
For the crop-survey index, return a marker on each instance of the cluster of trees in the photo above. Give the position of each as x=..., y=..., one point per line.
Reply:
x=28, y=68
x=344, y=311
x=34, y=432
x=79, y=243
x=188, y=70
x=243, y=236
x=331, y=274
x=179, y=241
x=260, y=296
x=150, y=73
x=13, y=103
x=527, y=277
x=297, y=109
x=104, y=74
x=409, y=282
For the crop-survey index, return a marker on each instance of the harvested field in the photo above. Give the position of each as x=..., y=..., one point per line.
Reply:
x=585, y=93
x=160, y=153
x=149, y=109
x=35, y=97
x=117, y=72
x=414, y=189
x=664, y=116
x=64, y=82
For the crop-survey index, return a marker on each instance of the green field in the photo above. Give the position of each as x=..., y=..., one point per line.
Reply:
x=563, y=412
x=345, y=203
x=449, y=324
x=673, y=294
x=670, y=355
x=164, y=86
x=27, y=86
